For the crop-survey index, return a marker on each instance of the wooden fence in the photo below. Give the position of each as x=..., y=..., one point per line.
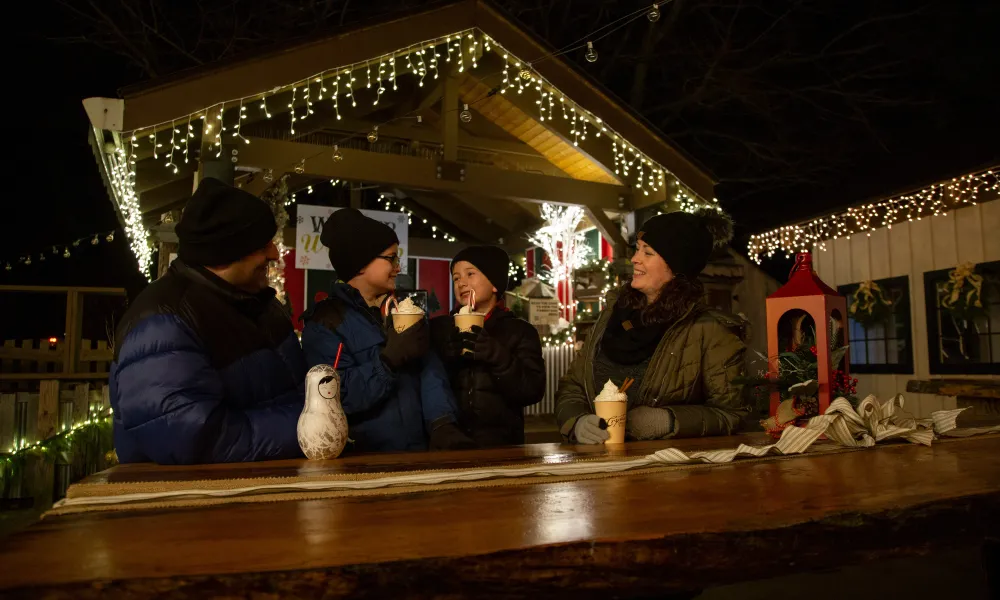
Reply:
x=30, y=417
x=557, y=361
x=68, y=358
x=48, y=386
x=31, y=360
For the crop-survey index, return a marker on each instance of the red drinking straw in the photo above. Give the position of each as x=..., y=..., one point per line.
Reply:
x=337, y=360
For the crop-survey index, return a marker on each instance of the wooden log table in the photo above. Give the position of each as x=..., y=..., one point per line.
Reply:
x=679, y=528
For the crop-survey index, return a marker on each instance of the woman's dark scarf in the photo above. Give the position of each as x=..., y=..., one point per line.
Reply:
x=626, y=340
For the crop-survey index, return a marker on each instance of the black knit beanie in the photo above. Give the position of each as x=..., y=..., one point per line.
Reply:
x=354, y=240
x=221, y=224
x=686, y=240
x=491, y=261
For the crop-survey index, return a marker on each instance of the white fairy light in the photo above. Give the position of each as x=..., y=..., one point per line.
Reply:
x=934, y=200
x=427, y=56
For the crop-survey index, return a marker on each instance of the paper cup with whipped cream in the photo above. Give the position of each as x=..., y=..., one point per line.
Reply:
x=405, y=314
x=611, y=405
x=467, y=318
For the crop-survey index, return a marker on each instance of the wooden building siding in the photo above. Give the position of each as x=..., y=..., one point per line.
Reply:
x=911, y=249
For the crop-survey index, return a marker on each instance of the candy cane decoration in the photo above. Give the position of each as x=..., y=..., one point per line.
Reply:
x=385, y=307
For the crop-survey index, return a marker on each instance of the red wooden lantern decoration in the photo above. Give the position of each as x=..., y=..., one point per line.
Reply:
x=805, y=293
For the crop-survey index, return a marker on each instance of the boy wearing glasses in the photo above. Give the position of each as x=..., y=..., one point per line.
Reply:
x=395, y=391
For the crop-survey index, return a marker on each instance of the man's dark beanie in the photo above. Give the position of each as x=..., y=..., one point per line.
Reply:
x=491, y=261
x=686, y=240
x=221, y=224
x=354, y=240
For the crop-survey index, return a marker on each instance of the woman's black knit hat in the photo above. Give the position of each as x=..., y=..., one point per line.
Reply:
x=686, y=240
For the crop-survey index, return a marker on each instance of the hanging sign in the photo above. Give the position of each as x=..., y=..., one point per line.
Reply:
x=310, y=253
x=544, y=311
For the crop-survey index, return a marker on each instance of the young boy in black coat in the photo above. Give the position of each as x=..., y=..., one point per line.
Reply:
x=502, y=370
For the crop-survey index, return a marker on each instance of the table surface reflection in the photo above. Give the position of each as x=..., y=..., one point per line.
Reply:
x=683, y=522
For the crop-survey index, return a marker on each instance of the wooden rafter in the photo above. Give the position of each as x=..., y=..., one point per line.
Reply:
x=512, y=119
x=420, y=174
x=452, y=210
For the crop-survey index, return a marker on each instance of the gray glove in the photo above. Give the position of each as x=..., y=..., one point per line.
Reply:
x=648, y=423
x=588, y=430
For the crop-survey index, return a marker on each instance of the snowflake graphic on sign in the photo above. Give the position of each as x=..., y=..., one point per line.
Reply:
x=303, y=260
x=300, y=219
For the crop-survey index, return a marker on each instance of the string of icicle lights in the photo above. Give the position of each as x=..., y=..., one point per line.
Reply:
x=932, y=201
x=170, y=141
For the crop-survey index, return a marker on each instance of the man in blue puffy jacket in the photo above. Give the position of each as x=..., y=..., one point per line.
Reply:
x=395, y=390
x=207, y=366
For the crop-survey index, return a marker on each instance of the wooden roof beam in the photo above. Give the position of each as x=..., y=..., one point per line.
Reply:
x=156, y=200
x=454, y=211
x=420, y=174
x=168, y=98
x=565, y=76
x=507, y=215
x=608, y=229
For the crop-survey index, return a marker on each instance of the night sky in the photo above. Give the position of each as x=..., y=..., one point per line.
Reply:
x=56, y=195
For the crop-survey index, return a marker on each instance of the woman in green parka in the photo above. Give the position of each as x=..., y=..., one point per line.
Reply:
x=658, y=330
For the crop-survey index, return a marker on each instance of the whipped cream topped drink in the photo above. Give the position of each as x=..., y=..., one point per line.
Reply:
x=611, y=404
x=467, y=318
x=406, y=314
x=407, y=307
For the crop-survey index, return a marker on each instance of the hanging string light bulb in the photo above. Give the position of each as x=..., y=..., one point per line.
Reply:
x=111, y=237
x=94, y=241
x=268, y=175
x=300, y=167
x=373, y=135
x=27, y=261
x=525, y=73
x=66, y=254
x=654, y=13
x=591, y=54
x=7, y=267
x=337, y=156
x=466, y=114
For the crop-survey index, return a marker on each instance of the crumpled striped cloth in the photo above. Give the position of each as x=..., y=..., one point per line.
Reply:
x=871, y=423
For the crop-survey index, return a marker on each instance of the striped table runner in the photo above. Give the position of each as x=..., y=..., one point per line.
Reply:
x=871, y=423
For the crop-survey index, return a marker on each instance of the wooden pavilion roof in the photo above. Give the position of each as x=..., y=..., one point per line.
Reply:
x=483, y=177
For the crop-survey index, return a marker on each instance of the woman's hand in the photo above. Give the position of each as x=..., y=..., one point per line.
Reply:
x=648, y=423
x=591, y=429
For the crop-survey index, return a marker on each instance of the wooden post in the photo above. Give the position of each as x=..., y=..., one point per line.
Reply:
x=81, y=403
x=7, y=365
x=48, y=409
x=449, y=115
x=8, y=427
x=28, y=365
x=356, y=196
x=74, y=326
x=166, y=249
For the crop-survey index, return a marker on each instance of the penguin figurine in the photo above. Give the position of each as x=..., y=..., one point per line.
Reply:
x=322, y=428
